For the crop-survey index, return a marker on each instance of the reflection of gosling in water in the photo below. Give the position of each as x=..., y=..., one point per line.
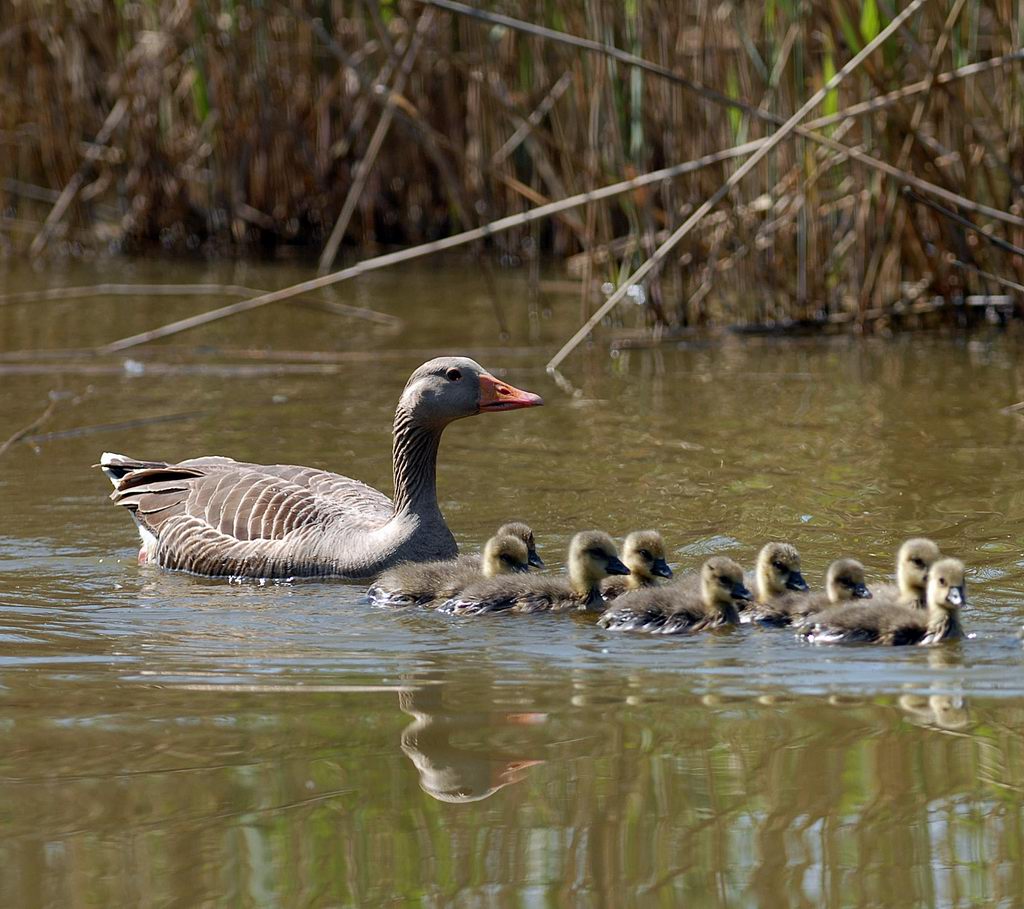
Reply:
x=913, y=560
x=450, y=770
x=644, y=555
x=844, y=582
x=674, y=609
x=431, y=583
x=893, y=624
x=943, y=710
x=592, y=557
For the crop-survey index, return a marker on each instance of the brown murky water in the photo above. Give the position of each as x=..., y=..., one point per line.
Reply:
x=174, y=741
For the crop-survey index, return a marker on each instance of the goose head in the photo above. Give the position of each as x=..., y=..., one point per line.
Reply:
x=449, y=388
x=592, y=557
x=844, y=580
x=912, y=563
x=947, y=590
x=503, y=554
x=721, y=583
x=644, y=555
x=524, y=533
x=778, y=570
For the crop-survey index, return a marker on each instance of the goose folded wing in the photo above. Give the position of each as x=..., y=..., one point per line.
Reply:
x=239, y=504
x=351, y=495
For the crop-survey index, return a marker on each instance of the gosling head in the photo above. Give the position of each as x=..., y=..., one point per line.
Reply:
x=721, y=583
x=778, y=570
x=947, y=589
x=845, y=581
x=525, y=533
x=644, y=555
x=912, y=563
x=503, y=554
x=592, y=557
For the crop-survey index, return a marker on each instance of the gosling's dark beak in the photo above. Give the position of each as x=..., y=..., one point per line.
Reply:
x=535, y=560
x=660, y=569
x=521, y=567
x=740, y=592
x=956, y=596
x=796, y=581
x=861, y=592
x=616, y=567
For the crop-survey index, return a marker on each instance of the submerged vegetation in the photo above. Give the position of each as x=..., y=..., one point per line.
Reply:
x=338, y=127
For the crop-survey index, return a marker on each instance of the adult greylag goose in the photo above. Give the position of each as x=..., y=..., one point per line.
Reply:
x=894, y=624
x=674, y=609
x=218, y=517
x=644, y=555
x=844, y=582
x=592, y=557
x=913, y=560
x=432, y=583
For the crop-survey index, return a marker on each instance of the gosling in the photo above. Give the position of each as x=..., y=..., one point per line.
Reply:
x=913, y=560
x=592, y=557
x=644, y=555
x=894, y=624
x=675, y=609
x=844, y=582
x=428, y=584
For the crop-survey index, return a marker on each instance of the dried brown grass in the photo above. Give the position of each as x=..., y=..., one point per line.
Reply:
x=245, y=125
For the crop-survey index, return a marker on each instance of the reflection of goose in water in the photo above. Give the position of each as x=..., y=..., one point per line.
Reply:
x=454, y=751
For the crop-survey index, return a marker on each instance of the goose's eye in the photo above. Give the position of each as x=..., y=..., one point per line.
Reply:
x=507, y=559
x=778, y=566
x=597, y=554
x=453, y=374
x=918, y=562
x=942, y=581
x=725, y=582
x=644, y=554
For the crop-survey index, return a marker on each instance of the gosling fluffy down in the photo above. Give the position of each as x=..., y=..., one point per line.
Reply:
x=844, y=582
x=913, y=560
x=675, y=609
x=592, y=557
x=644, y=555
x=894, y=624
x=428, y=584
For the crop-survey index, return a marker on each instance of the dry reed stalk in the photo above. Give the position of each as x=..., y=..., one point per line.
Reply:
x=244, y=130
x=184, y=290
x=662, y=251
x=31, y=427
x=363, y=168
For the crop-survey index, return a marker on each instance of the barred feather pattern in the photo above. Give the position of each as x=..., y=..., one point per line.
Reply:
x=217, y=517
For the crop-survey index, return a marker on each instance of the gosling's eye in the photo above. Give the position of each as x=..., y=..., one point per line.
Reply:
x=597, y=554
x=644, y=554
x=725, y=582
x=453, y=374
x=507, y=559
x=778, y=566
x=942, y=581
x=918, y=562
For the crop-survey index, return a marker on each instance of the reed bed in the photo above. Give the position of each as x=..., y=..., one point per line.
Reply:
x=228, y=128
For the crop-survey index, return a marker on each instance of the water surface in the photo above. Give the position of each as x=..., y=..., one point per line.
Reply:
x=176, y=741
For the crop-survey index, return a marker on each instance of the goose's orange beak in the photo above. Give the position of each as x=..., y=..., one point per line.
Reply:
x=497, y=395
